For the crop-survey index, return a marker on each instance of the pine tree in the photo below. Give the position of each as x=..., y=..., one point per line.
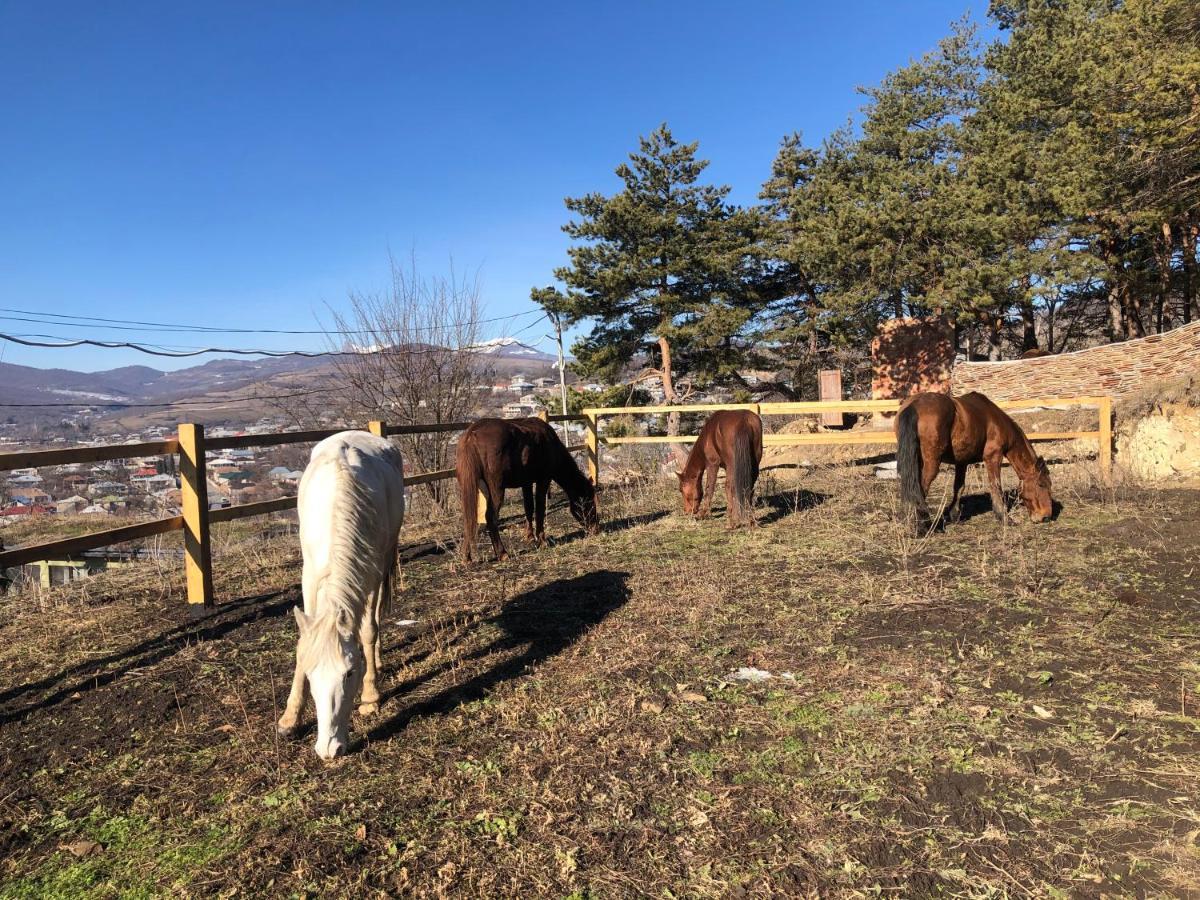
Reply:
x=664, y=269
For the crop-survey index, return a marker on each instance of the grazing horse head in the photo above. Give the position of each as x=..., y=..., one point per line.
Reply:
x=693, y=492
x=332, y=659
x=1035, y=493
x=583, y=507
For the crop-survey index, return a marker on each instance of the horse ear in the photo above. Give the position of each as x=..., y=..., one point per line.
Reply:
x=302, y=621
x=679, y=475
x=345, y=627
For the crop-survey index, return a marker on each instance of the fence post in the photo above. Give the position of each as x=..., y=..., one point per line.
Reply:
x=377, y=428
x=1106, y=448
x=593, y=448
x=197, y=548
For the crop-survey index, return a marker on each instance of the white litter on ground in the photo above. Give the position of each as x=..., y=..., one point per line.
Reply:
x=753, y=675
x=407, y=622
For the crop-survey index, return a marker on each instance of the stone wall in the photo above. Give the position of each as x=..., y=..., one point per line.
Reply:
x=1117, y=370
x=911, y=355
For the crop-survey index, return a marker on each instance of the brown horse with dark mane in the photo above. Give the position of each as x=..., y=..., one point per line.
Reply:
x=494, y=454
x=936, y=428
x=732, y=439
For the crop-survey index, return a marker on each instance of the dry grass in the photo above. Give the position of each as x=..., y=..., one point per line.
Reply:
x=982, y=712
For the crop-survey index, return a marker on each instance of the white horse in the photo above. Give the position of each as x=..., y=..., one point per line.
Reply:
x=351, y=507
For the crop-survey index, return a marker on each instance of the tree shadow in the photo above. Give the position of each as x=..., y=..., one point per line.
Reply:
x=544, y=621
x=96, y=673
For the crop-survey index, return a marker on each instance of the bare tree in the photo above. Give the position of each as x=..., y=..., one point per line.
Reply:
x=409, y=358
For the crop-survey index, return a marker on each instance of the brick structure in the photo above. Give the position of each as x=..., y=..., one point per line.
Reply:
x=1114, y=369
x=911, y=355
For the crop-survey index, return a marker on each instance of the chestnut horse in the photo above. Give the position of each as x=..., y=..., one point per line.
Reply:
x=731, y=438
x=936, y=428
x=494, y=454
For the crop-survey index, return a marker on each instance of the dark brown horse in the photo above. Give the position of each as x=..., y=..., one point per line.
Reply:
x=732, y=439
x=494, y=454
x=936, y=428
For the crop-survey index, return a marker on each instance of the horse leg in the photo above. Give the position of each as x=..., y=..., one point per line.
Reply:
x=289, y=722
x=527, y=501
x=368, y=637
x=543, y=488
x=960, y=478
x=710, y=485
x=992, y=460
x=930, y=463
x=495, y=498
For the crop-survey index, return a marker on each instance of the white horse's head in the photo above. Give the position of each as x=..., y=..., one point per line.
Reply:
x=332, y=660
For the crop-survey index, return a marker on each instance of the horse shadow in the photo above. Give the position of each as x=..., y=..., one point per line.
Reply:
x=544, y=622
x=96, y=673
x=785, y=503
x=973, y=505
x=610, y=525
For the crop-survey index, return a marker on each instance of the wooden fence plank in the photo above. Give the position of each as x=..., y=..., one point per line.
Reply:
x=19, y=556
x=428, y=429
x=651, y=439
x=34, y=459
x=426, y=477
x=831, y=438
x=655, y=410
x=272, y=439
x=245, y=510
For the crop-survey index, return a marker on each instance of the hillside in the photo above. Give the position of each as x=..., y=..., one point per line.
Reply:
x=239, y=381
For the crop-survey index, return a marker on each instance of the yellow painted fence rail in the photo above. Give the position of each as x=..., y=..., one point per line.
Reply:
x=1102, y=435
x=192, y=447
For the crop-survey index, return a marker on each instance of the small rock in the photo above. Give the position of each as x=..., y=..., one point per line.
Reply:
x=81, y=848
x=1041, y=712
x=693, y=697
x=652, y=706
x=750, y=674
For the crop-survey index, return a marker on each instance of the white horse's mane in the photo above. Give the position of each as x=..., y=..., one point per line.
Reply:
x=353, y=523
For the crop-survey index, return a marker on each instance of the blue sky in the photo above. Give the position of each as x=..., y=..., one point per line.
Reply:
x=246, y=165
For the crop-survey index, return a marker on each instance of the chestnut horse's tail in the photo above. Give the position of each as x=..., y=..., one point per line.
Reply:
x=468, y=470
x=908, y=465
x=743, y=472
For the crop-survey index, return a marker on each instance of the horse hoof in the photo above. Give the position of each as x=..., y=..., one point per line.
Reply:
x=368, y=709
x=287, y=732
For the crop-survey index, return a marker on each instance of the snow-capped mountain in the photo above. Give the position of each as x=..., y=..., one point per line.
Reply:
x=509, y=348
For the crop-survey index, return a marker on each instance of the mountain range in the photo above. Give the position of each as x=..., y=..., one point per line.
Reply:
x=143, y=384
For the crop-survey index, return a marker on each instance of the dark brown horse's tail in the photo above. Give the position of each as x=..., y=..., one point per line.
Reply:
x=908, y=465
x=468, y=470
x=743, y=472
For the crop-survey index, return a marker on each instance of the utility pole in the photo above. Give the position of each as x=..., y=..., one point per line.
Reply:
x=562, y=372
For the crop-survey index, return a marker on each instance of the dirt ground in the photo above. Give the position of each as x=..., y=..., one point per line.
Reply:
x=989, y=711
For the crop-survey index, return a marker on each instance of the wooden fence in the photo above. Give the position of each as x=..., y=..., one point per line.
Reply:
x=1102, y=435
x=196, y=518
x=192, y=446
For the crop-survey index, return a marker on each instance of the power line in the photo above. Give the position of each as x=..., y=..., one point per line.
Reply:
x=73, y=321
x=214, y=401
x=160, y=350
